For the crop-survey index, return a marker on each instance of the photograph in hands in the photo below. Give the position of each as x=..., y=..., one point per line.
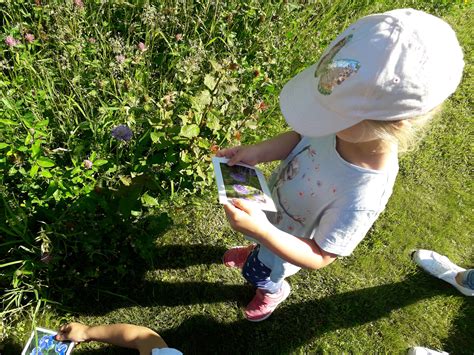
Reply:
x=242, y=181
x=42, y=341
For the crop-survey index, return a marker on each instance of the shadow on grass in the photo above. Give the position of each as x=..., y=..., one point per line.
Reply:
x=291, y=326
x=183, y=256
x=107, y=296
x=294, y=325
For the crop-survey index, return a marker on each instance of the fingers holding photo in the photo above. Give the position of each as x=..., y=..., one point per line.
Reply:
x=75, y=332
x=246, y=154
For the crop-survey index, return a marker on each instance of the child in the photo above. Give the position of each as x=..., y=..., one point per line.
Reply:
x=145, y=340
x=350, y=112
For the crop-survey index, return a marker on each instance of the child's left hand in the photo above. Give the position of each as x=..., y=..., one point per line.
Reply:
x=247, y=219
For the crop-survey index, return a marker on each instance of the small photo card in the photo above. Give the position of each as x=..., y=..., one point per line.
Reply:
x=242, y=181
x=42, y=341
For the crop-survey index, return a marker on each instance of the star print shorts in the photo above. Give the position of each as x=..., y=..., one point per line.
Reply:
x=255, y=272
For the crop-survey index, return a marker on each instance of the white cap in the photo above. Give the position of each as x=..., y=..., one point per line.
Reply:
x=390, y=66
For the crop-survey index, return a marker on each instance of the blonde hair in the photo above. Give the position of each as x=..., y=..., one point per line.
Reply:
x=406, y=133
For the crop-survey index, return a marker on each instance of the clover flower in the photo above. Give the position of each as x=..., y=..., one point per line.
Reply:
x=120, y=58
x=11, y=42
x=87, y=164
x=122, y=133
x=142, y=47
x=79, y=4
x=149, y=15
x=29, y=38
x=117, y=44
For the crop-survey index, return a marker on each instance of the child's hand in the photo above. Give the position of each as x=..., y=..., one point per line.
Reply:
x=75, y=332
x=247, y=219
x=247, y=154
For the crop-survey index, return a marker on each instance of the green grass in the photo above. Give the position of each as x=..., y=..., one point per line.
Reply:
x=375, y=301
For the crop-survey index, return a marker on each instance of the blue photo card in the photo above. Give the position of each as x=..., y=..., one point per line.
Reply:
x=42, y=342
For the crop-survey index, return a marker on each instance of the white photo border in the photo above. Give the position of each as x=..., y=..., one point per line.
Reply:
x=223, y=199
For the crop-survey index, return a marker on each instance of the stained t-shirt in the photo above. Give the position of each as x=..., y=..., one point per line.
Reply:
x=321, y=196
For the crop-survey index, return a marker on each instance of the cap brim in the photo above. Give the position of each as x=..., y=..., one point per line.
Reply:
x=301, y=107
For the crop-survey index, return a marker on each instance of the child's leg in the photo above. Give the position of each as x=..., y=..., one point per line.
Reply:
x=237, y=256
x=467, y=278
x=441, y=267
x=269, y=294
x=255, y=272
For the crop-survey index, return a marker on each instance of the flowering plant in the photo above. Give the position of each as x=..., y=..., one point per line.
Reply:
x=106, y=124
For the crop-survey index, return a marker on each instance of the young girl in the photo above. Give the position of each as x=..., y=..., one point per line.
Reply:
x=380, y=78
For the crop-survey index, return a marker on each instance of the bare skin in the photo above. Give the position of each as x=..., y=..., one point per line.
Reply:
x=276, y=148
x=125, y=335
x=359, y=146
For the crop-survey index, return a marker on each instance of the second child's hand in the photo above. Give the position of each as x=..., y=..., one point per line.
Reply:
x=245, y=218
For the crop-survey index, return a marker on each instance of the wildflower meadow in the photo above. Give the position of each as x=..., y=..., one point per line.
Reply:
x=110, y=113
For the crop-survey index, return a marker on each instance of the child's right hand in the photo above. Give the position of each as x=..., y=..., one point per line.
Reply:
x=247, y=154
x=75, y=332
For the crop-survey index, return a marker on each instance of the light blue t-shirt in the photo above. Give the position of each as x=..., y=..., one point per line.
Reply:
x=166, y=351
x=321, y=196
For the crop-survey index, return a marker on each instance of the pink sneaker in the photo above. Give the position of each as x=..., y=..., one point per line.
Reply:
x=263, y=304
x=237, y=256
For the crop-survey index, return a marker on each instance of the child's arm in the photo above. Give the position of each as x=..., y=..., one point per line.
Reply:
x=126, y=335
x=253, y=222
x=276, y=148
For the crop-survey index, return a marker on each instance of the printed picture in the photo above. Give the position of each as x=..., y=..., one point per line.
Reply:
x=42, y=342
x=242, y=181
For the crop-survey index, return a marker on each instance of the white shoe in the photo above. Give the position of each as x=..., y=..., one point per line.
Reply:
x=418, y=350
x=441, y=267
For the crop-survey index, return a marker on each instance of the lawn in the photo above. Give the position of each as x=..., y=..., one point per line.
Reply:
x=109, y=115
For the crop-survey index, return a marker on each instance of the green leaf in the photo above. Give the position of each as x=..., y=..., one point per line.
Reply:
x=155, y=136
x=42, y=123
x=189, y=131
x=7, y=122
x=7, y=104
x=147, y=200
x=100, y=162
x=210, y=82
x=46, y=174
x=36, y=149
x=28, y=119
x=3, y=145
x=184, y=156
x=202, y=100
x=126, y=180
x=34, y=170
x=212, y=122
x=45, y=162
